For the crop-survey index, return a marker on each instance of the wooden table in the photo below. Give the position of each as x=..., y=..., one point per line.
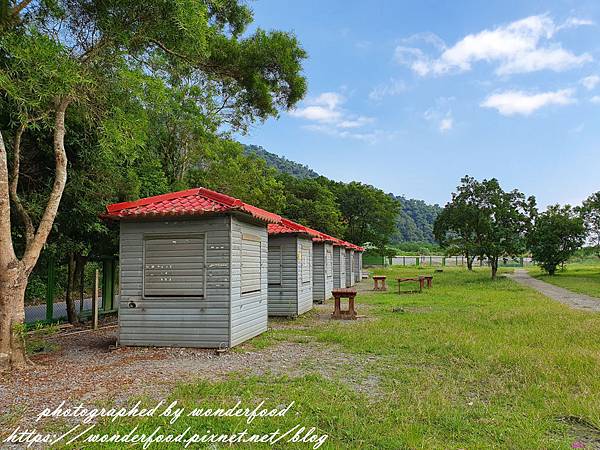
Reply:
x=420, y=280
x=379, y=283
x=428, y=280
x=338, y=313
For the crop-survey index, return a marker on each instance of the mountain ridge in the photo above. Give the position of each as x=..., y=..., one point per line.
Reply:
x=414, y=224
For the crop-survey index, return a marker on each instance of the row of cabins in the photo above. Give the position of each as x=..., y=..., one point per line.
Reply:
x=203, y=269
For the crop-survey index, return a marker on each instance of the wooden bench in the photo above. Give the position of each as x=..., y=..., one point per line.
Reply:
x=419, y=280
x=379, y=283
x=338, y=313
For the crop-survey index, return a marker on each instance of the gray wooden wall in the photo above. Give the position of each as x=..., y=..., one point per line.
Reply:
x=305, y=286
x=349, y=267
x=357, y=267
x=223, y=317
x=288, y=294
x=339, y=267
x=322, y=281
x=248, y=310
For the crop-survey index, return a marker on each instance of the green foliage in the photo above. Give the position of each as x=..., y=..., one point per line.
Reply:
x=310, y=202
x=370, y=214
x=225, y=168
x=555, y=236
x=153, y=87
x=281, y=163
x=590, y=211
x=415, y=222
x=484, y=220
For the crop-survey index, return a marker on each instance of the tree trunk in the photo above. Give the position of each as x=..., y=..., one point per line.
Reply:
x=71, y=313
x=13, y=281
x=469, y=261
x=494, y=265
x=80, y=263
x=14, y=274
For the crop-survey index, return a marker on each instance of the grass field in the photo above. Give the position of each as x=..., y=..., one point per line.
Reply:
x=470, y=364
x=582, y=278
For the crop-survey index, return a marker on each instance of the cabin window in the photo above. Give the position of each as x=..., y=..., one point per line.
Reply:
x=306, y=263
x=174, y=266
x=251, y=261
x=275, y=265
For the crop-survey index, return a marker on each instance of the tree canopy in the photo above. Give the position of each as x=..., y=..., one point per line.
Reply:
x=482, y=219
x=129, y=91
x=555, y=236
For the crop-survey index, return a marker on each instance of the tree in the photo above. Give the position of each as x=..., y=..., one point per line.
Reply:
x=225, y=168
x=482, y=219
x=66, y=53
x=455, y=228
x=590, y=212
x=369, y=213
x=310, y=202
x=556, y=234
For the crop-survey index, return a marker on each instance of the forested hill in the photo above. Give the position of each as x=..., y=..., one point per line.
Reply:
x=415, y=223
x=281, y=163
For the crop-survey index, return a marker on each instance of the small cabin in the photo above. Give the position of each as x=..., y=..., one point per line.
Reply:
x=339, y=265
x=358, y=265
x=290, y=273
x=349, y=267
x=322, y=268
x=193, y=270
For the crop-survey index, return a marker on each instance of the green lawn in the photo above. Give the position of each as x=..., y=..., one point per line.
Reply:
x=469, y=364
x=582, y=278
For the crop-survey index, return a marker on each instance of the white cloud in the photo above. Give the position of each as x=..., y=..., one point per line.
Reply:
x=389, y=89
x=446, y=124
x=595, y=99
x=329, y=117
x=509, y=103
x=518, y=47
x=590, y=82
x=443, y=121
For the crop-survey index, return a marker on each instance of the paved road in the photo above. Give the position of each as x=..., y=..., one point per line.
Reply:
x=38, y=312
x=572, y=299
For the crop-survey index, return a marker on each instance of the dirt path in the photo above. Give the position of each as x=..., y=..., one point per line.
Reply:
x=569, y=298
x=84, y=370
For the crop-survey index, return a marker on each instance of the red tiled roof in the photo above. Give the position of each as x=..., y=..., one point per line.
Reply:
x=289, y=226
x=192, y=202
x=199, y=201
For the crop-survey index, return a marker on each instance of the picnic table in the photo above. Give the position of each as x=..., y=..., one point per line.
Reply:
x=379, y=283
x=338, y=313
x=419, y=280
x=428, y=280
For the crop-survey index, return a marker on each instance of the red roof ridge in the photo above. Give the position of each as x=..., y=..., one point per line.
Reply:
x=148, y=200
x=221, y=198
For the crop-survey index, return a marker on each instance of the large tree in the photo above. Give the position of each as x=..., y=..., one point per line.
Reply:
x=456, y=228
x=66, y=53
x=369, y=213
x=310, y=202
x=555, y=236
x=590, y=212
x=224, y=167
x=482, y=219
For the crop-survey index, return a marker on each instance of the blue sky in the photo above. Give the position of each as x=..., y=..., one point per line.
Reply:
x=410, y=96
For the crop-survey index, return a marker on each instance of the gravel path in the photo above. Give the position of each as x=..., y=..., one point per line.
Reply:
x=85, y=370
x=569, y=298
